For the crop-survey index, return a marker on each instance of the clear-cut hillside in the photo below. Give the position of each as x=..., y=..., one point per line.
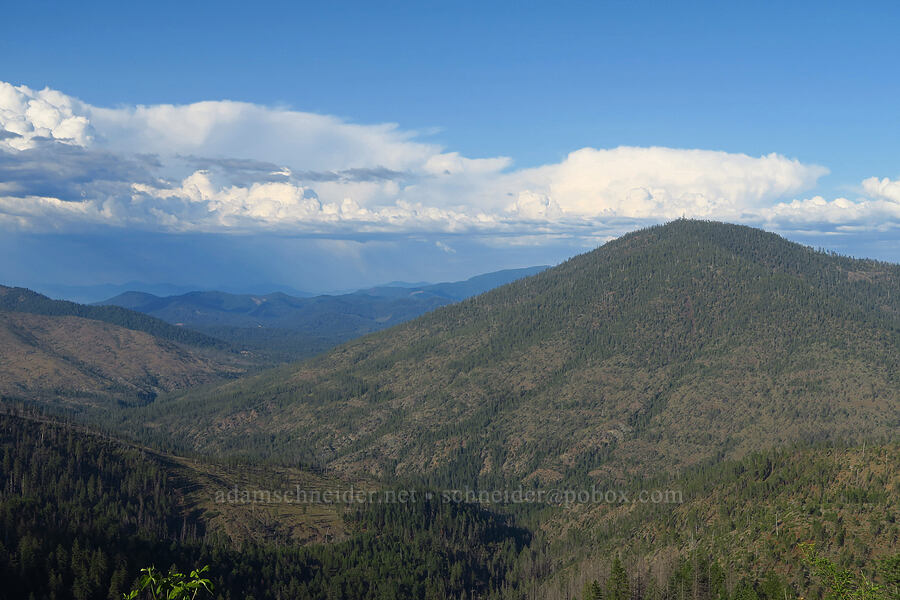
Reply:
x=61, y=353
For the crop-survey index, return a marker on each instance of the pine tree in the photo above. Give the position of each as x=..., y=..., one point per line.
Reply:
x=592, y=590
x=617, y=585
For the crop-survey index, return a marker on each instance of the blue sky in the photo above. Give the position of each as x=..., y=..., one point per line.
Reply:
x=360, y=143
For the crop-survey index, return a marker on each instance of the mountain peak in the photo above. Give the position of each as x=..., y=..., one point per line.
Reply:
x=670, y=345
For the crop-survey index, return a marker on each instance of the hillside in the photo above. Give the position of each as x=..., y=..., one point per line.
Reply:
x=63, y=353
x=749, y=516
x=664, y=348
x=456, y=290
x=80, y=514
x=72, y=361
x=97, y=293
x=287, y=327
x=14, y=299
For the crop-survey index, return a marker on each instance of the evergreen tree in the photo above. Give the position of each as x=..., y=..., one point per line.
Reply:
x=617, y=587
x=592, y=590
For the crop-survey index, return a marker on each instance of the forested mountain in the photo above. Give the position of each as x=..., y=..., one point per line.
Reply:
x=60, y=352
x=287, y=327
x=664, y=348
x=752, y=379
x=96, y=293
x=456, y=290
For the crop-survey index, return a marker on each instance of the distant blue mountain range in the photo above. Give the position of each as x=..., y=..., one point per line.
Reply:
x=95, y=294
x=286, y=327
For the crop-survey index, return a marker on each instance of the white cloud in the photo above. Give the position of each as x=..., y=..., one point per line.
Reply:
x=445, y=247
x=884, y=189
x=879, y=210
x=230, y=166
x=26, y=115
x=842, y=214
x=197, y=203
x=306, y=141
x=666, y=182
x=534, y=205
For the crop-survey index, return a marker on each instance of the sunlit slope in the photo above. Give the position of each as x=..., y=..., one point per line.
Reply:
x=72, y=361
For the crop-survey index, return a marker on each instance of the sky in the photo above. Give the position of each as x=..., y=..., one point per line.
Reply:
x=326, y=146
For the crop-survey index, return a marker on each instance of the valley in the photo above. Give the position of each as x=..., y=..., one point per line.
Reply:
x=749, y=382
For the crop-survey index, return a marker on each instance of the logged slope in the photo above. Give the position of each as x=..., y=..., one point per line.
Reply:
x=668, y=346
x=87, y=362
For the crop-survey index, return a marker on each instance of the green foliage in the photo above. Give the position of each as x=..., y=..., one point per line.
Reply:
x=592, y=590
x=889, y=568
x=841, y=584
x=172, y=586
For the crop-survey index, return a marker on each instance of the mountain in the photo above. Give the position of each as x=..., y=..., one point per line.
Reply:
x=457, y=290
x=15, y=299
x=667, y=347
x=287, y=327
x=88, y=294
x=749, y=381
x=59, y=352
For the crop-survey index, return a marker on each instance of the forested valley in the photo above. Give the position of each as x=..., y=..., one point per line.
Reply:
x=751, y=382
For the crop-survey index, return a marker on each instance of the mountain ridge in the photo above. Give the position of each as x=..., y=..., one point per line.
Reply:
x=667, y=346
x=292, y=327
x=24, y=300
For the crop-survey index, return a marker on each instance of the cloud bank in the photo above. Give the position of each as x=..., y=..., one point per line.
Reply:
x=237, y=167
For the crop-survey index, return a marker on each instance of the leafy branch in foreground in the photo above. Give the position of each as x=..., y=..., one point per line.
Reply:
x=842, y=584
x=174, y=586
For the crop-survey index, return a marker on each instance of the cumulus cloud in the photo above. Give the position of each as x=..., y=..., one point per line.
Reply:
x=235, y=129
x=841, y=214
x=235, y=167
x=28, y=116
x=534, y=205
x=883, y=189
x=666, y=182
